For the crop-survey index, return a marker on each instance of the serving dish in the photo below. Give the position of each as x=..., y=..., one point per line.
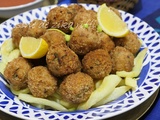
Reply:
x=7, y=12
x=148, y=81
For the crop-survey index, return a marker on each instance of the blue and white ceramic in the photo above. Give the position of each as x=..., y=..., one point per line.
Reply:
x=148, y=82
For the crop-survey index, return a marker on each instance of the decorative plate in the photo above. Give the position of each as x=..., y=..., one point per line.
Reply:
x=147, y=84
x=10, y=11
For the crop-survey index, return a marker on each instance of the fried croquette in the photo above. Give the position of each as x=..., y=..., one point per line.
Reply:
x=97, y=64
x=41, y=83
x=76, y=88
x=37, y=28
x=88, y=17
x=106, y=42
x=60, y=18
x=122, y=59
x=61, y=60
x=16, y=72
x=17, y=32
x=75, y=8
x=84, y=40
x=53, y=37
x=130, y=42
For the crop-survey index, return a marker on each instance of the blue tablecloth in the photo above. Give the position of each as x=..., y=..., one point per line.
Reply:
x=149, y=11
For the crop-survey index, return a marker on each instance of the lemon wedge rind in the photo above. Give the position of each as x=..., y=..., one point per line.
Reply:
x=111, y=23
x=33, y=48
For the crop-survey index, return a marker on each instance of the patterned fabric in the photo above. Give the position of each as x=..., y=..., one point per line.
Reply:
x=154, y=20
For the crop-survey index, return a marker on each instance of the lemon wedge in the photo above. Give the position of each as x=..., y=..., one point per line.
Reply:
x=110, y=22
x=33, y=48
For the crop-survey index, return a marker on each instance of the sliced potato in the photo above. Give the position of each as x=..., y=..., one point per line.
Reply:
x=17, y=92
x=132, y=82
x=40, y=101
x=13, y=54
x=67, y=104
x=107, y=86
x=2, y=67
x=8, y=53
x=98, y=83
x=118, y=91
x=6, y=48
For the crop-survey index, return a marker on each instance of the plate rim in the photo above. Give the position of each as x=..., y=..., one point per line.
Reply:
x=8, y=112
x=20, y=6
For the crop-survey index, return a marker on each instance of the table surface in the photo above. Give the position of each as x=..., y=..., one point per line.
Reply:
x=149, y=11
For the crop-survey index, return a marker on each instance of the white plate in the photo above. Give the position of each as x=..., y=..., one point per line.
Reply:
x=147, y=84
x=7, y=12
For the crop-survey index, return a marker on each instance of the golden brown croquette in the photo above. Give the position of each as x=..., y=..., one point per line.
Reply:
x=97, y=64
x=16, y=72
x=41, y=83
x=76, y=88
x=122, y=59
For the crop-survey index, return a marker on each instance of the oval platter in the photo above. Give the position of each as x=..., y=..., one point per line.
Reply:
x=148, y=81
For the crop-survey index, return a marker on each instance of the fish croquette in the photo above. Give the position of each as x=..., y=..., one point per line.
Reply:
x=17, y=32
x=61, y=60
x=37, y=28
x=130, y=42
x=97, y=64
x=106, y=42
x=60, y=18
x=76, y=88
x=88, y=17
x=54, y=37
x=84, y=40
x=122, y=59
x=16, y=73
x=41, y=83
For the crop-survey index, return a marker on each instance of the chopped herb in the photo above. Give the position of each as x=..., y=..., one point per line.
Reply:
x=67, y=37
x=99, y=29
x=85, y=25
x=71, y=28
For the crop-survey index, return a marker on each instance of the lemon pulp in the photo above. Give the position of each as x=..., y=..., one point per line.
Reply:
x=33, y=48
x=110, y=22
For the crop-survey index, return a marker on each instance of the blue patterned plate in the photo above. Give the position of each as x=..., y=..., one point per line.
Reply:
x=147, y=84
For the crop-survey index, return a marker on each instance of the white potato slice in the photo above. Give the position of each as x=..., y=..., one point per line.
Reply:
x=38, y=106
x=98, y=83
x=132, y=82
x=31, y=99
x=118, y=91
x=67, y=104
x=5, y=58
x=13, y=54
x=6, y=48
x=2, y=67
x=8, y=53
x=108, y=85
x=138, y=61
x=17, y=92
